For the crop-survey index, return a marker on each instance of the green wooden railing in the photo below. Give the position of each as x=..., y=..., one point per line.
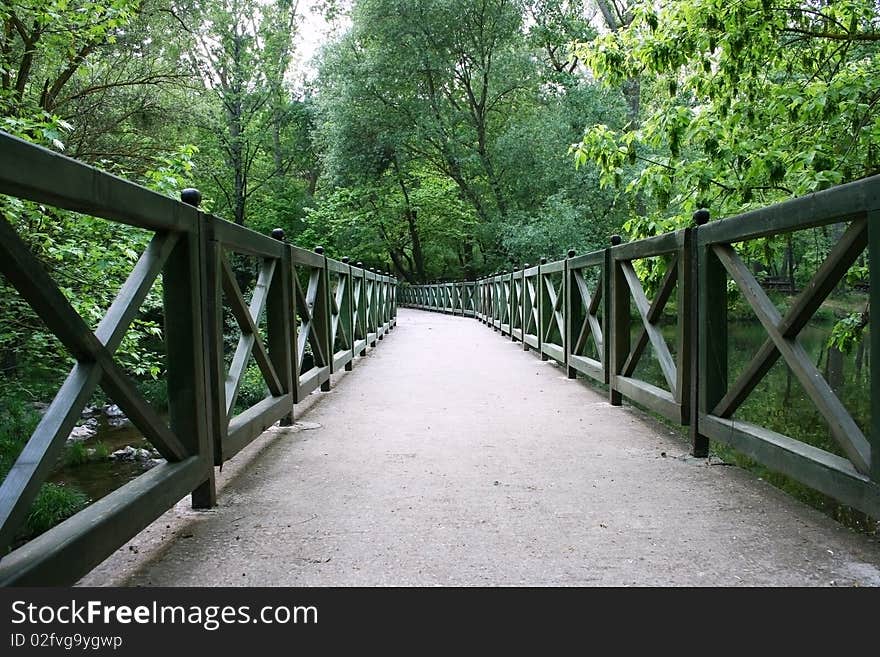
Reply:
x=319, y=314
x=578, y=312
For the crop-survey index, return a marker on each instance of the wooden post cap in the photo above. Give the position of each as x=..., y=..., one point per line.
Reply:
x=701, y=216
x=543, y=261
x=278, y=233
x=616, y=240
x=571, y=253
x=191, y=196
x=319, y=250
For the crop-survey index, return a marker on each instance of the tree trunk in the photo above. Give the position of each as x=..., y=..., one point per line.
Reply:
x=834, y=369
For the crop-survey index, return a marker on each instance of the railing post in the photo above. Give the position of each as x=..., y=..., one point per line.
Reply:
x=349, y=313
x=874, y=333
x=524, y=295
x=711, y=334
x=279, y=320
x=618, y=307
x=543, y=322
x=382, y=299
x=363, y=315
x=699, y=443
x=321, y=315
x=686, y=324
x=568, y=309
x=511, y=301
x=187, y=321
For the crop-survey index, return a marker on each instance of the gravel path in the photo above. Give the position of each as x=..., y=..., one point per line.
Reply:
x=450, y=457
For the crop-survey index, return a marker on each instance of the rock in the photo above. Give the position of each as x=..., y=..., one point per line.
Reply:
x=124, y=454
x=130, y=453
x=84, y=431
x=112, y=410
x=91, y=411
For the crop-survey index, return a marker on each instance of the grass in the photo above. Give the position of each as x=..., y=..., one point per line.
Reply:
x=54, y=502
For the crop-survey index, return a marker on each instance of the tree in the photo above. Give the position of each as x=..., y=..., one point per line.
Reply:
x=752, y=103
x=243, y=55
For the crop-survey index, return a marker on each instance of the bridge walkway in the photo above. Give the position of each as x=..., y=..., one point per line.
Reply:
x=451, y=457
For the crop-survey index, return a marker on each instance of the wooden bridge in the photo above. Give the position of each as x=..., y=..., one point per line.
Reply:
x=448, y=456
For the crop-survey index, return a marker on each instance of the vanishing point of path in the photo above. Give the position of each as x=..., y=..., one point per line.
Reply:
x=450, y=457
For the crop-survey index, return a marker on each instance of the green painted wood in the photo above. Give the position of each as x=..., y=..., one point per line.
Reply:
x=23, y=481
x=253, y=421
x=246, y=241
x=125, y=307
x=213, y=339
x=186, y=367
x=685, y=333
x=250, y=343
x=593, y=259
x=825, y=472
x=27, y=275
x=657, y=399
x=667, y=286
x=35, y=173
x=825, y=207
x=651, y=246
x=607, y=336
x=71, y=549
x=643, y=306
x=585, y=314
x=585, y=365
x=279, y=328
x=711, y=334
x=574, y=315
x=823, y=282
x=699, y=442
x=843, y=428
x=618, y=309
x=874, y=336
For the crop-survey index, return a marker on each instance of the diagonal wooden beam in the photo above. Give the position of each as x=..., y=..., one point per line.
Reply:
x=597, y=299
x=41, y=452
x=843, y=428
x=338, y=325
x=321, y=358
x=661, y=349
x=250, y=342
x=357, y=328
x=112, y=328
x=25, y=272
x=27, y=275
x=533, y=306
x=305, y=328
x=591, y=319
x=823, y=282
x=667, y=286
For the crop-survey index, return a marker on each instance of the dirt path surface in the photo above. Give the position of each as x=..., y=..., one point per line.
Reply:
x=450, y=457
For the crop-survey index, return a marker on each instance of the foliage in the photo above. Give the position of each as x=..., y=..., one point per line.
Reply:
x=54, y=503
x=485, y=94
x=752, y=102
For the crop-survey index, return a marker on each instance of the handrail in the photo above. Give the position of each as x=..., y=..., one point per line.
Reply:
x=576, y=311
x=319, y=314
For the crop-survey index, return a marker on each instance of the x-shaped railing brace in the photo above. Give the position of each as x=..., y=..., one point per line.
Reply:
x=95, y=365
x=591, y=325
x=250, y=342
x=783, y=340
